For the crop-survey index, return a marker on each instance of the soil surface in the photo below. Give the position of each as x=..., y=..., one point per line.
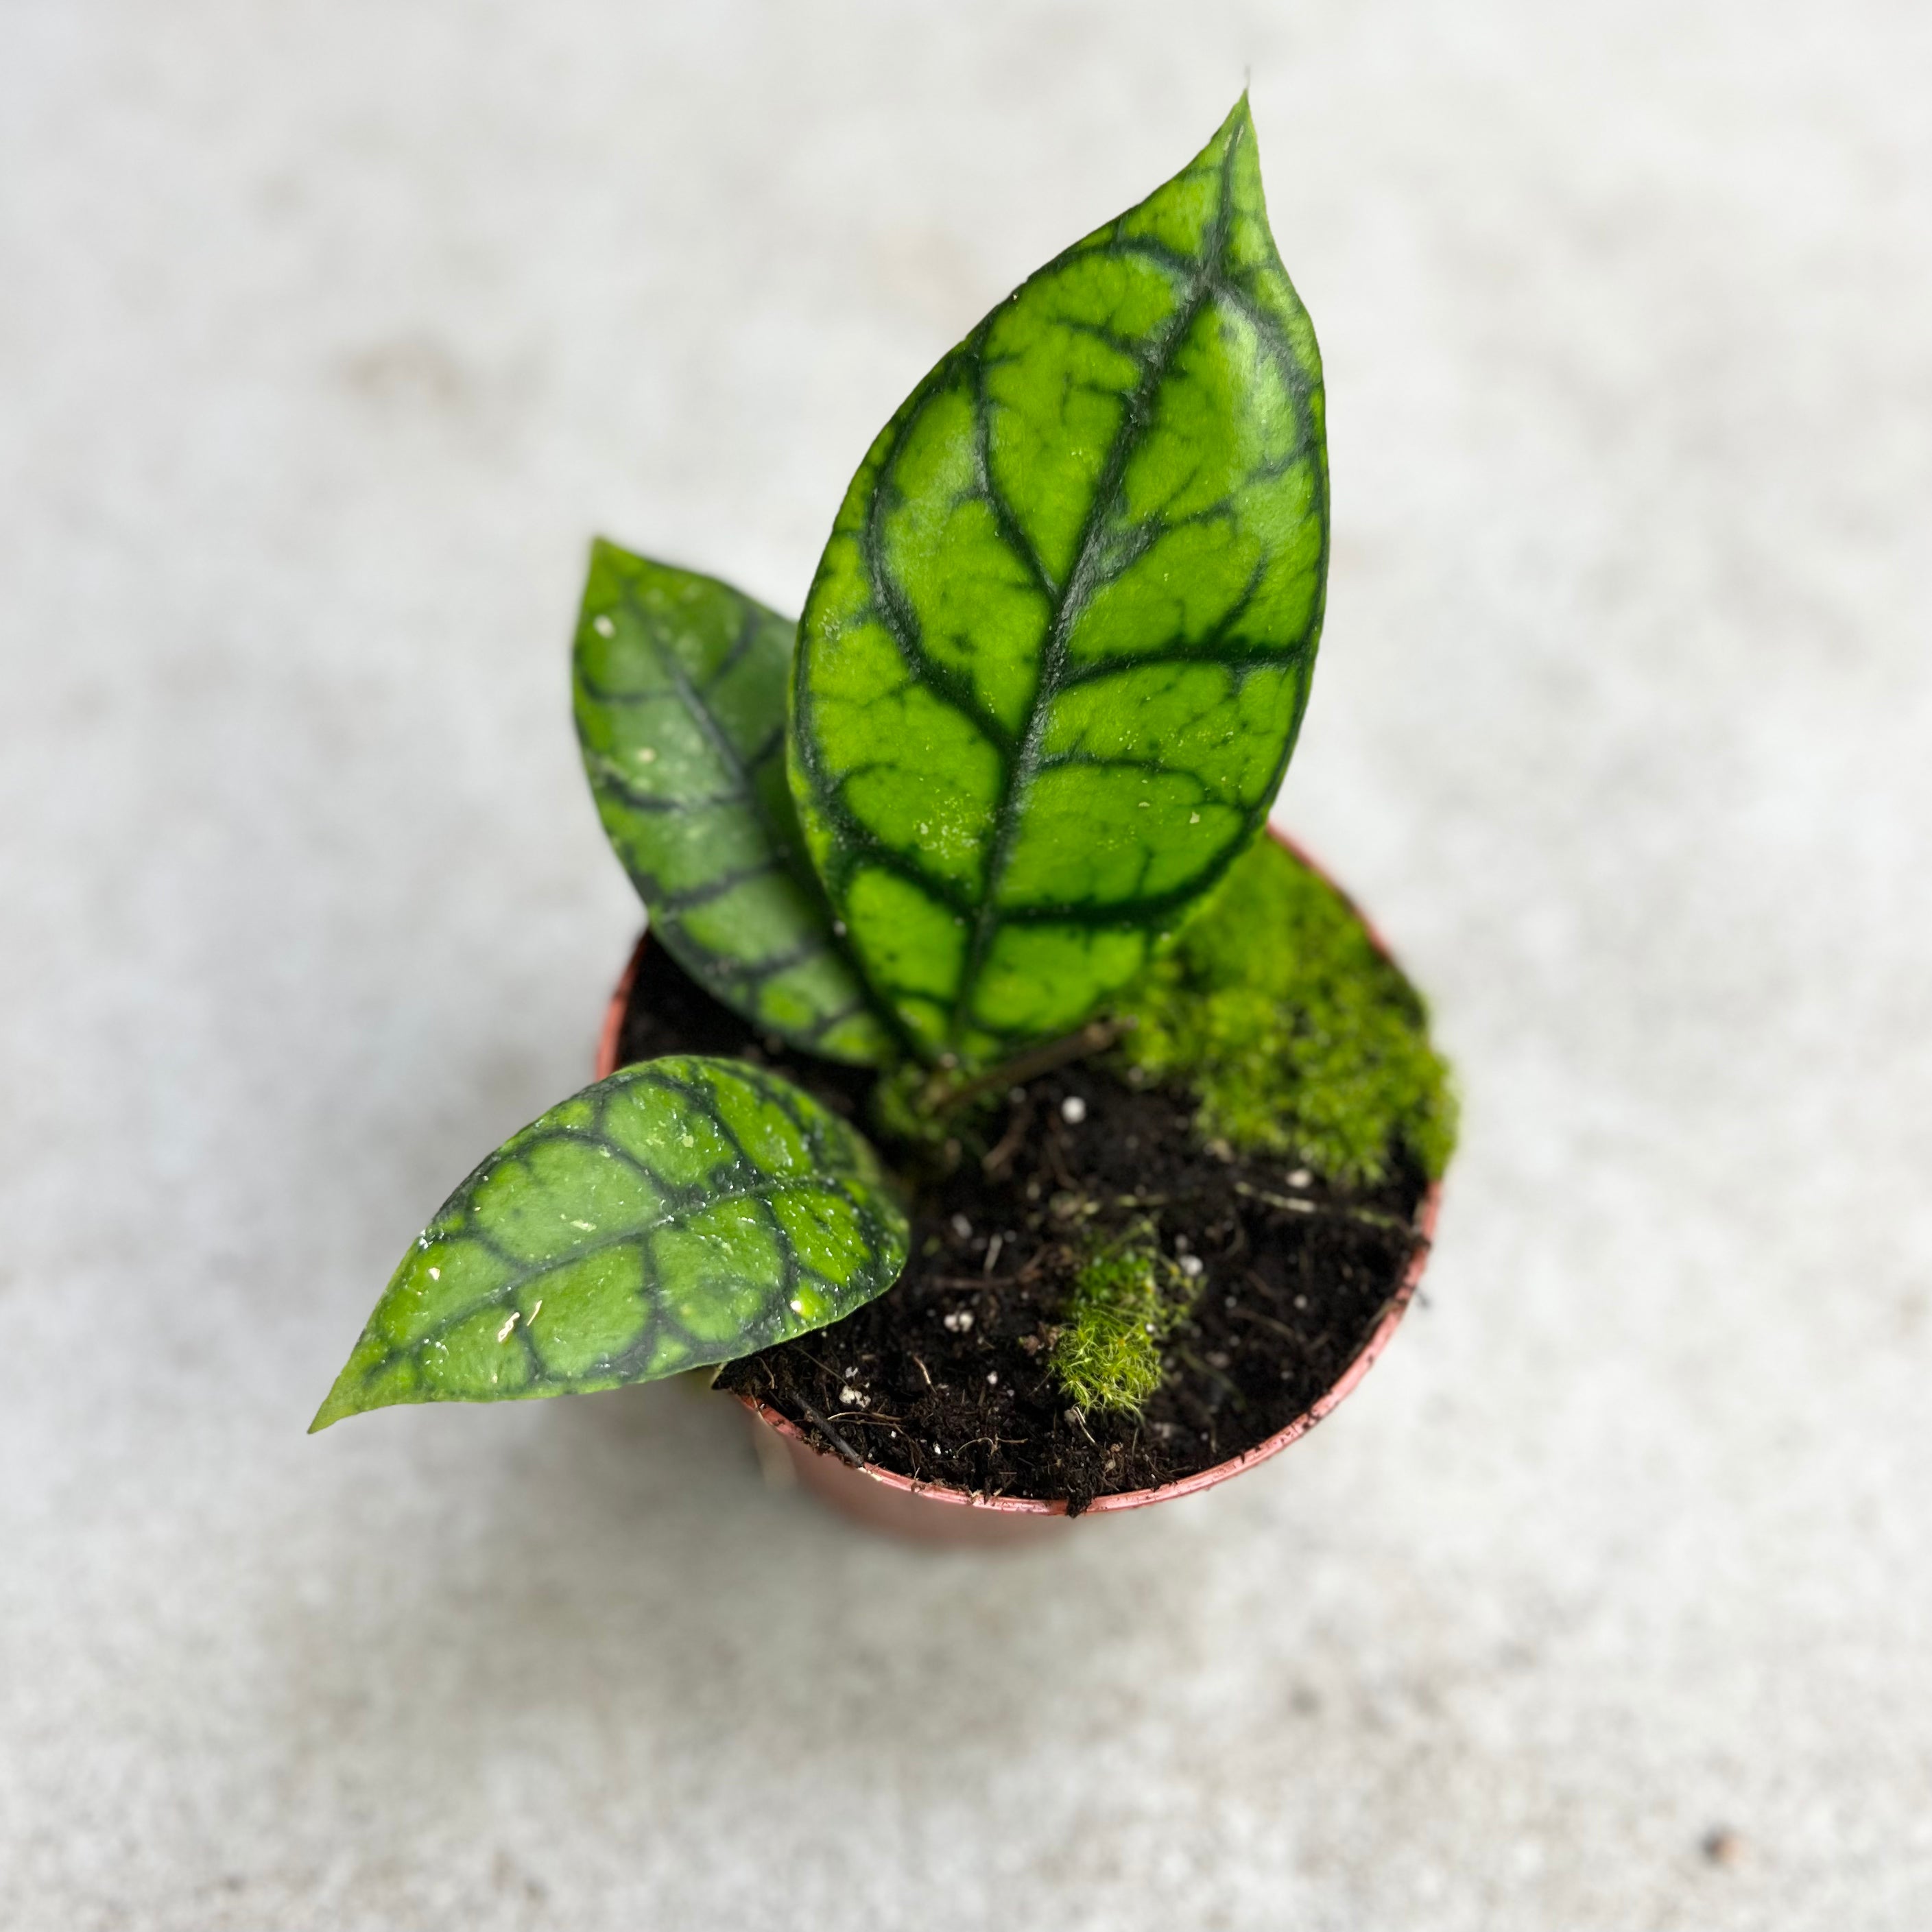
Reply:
x=946, y=1377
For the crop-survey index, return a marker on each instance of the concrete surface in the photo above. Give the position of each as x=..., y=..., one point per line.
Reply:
x=328, y=333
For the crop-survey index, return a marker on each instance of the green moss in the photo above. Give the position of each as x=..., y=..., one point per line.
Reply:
x=1124, y=1303
x=1295, y=1036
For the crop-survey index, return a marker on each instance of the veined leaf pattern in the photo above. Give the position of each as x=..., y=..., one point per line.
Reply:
x=679, y=685
x=684, y=1211
x=1057, y=650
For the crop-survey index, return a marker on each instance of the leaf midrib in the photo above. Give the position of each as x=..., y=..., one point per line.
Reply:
x=786, y=842
x=536, y=1271
x=1072, y=599
x=694, y=703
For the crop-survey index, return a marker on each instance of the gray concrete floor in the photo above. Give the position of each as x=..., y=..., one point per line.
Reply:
x=328, y=333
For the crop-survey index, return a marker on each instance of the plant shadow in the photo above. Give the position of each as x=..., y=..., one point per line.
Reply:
x=623, y=1583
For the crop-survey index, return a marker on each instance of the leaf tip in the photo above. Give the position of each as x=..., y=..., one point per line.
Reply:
x=349, y=1396
x=332, y=1410
x=1233, y=144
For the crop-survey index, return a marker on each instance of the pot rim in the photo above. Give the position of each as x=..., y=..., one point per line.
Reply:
x=1323, y=1406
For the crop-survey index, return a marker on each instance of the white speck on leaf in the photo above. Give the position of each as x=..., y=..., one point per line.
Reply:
x=1194, y=818
x=604, y=627
x=646, y=755
x=588, y=1227
x=436, y=1274
x=503, y=1333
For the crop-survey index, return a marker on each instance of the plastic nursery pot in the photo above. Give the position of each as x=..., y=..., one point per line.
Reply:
x=935, y=1513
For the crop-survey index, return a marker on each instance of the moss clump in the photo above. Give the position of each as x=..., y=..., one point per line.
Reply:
x=1295, y=1036
x=1126, y=1300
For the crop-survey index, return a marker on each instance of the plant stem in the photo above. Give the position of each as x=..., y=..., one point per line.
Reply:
x=943, y=1092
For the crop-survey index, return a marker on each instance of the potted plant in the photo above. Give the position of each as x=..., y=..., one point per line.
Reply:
x=1022, y=1130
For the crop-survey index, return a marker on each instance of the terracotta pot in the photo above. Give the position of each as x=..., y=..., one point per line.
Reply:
x=934, y=1513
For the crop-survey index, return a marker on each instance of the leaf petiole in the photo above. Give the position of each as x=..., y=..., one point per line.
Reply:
x=945, y=1090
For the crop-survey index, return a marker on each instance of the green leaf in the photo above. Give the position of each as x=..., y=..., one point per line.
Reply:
x=1058, y=647
x=680, y=696
x=684, y=1211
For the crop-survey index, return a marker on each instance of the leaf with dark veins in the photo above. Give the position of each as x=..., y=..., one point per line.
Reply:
x=1056, y=654
x=680, y=696
x=685, y=1211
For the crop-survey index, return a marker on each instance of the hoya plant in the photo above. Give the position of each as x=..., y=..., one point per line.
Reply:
x=1042, y=692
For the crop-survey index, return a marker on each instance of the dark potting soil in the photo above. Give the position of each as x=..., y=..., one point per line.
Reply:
x=946, y=1377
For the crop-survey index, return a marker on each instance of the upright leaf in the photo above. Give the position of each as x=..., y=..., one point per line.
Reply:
x=683, y=1211
x=680, y=696
x=1056, y=651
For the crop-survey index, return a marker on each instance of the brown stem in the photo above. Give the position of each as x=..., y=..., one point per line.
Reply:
x=832, y=1435
x=941, y=1094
